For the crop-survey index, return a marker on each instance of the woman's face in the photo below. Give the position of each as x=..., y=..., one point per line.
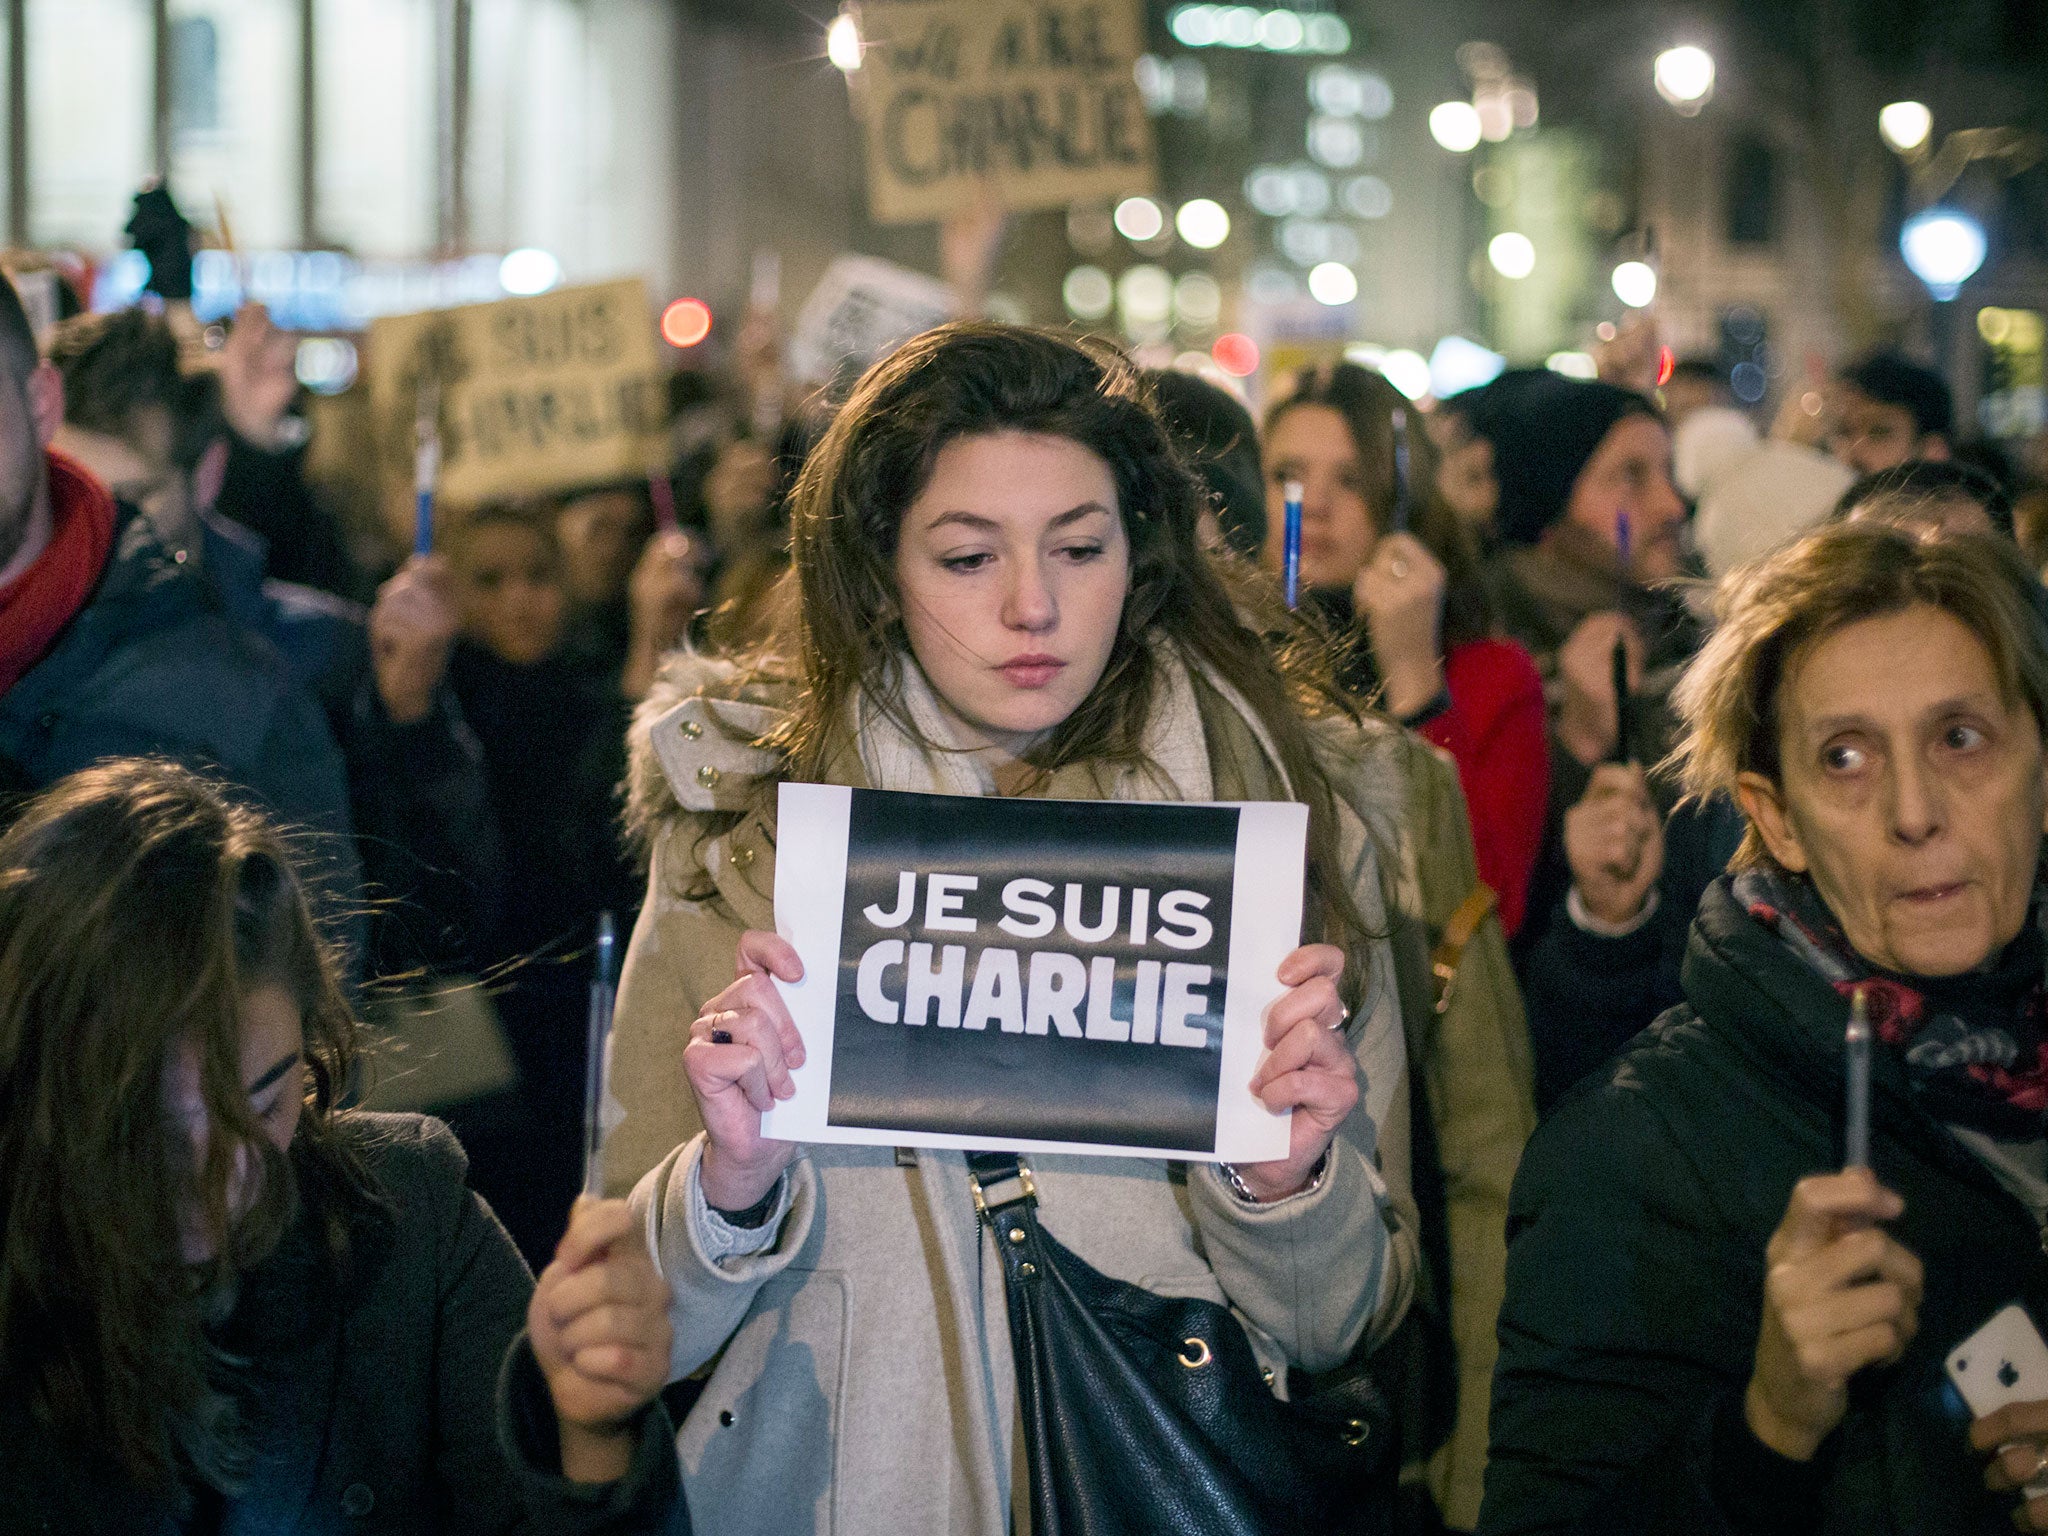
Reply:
x=1012, y=567
x=1312, y=444
x=1912, y=792
x=512, y=597
x=1631, y=472
x=273, y=1074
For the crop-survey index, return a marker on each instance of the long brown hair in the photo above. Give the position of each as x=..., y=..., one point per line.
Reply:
x=971, y=378
x=139, y=904
x=1367, y=402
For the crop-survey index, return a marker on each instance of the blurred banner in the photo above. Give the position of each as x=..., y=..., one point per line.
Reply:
x=862, y=309
x=1035, y=98
x=535, y=394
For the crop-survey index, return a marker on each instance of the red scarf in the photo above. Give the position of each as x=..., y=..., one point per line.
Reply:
x=37, y=604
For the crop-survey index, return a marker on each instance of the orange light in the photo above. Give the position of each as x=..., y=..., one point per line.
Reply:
x=1667, y=361
x=686, y=322
x=1236, y=354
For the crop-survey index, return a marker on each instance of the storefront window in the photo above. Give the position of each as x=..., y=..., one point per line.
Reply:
x=91, y=81
x=234, y=79
x=530, y=119
x=374, y=92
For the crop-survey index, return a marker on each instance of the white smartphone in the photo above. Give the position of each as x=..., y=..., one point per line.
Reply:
x=2003, y=1362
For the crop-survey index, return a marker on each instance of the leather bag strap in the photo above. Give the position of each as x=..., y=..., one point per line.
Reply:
x=1458, y=932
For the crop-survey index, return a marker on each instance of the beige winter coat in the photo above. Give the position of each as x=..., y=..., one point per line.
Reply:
x=860, y=1370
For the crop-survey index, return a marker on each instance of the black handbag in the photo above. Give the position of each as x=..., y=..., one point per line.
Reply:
x=1146, y=1414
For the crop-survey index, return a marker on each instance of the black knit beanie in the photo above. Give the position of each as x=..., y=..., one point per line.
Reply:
x=1543, y=429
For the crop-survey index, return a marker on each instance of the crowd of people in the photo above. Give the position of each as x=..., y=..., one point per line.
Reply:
x=1636, y=743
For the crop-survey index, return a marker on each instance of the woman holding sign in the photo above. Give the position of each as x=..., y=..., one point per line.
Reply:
x=1744, y=1256
x=1001, y=594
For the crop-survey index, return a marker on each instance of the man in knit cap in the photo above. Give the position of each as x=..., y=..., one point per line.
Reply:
x=1592, y=531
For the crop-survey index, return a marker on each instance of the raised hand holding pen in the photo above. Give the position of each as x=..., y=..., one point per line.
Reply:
x=1290, y=556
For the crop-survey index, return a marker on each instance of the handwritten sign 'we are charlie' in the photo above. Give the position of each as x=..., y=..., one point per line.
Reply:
x=1032, y=99
x=1046, y=975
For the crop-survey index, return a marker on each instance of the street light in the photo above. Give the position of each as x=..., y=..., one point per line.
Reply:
x=1203, y=223
x=842, y=41
x=1513, y=255
x=1332, y=283
x=1139, y=219
x=1905, y=125
x=1944, y=248
x=1685, y=78
x=1455, y=125
x=1635, y=284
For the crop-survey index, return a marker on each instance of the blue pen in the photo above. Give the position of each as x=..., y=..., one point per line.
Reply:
x=1290, y=566
x=426, y=466
x=597, y=1072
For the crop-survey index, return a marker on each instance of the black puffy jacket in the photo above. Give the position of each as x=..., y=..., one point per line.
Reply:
x=1636, y=1266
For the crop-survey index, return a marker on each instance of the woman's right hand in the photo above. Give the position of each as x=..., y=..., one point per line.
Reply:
x=1840, y=1294
x=742, y=1048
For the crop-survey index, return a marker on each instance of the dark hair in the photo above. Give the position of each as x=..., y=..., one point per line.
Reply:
x=972, y=378
x=1545, y=429
x=139, y=904
x=1218, y=438
x=1367, y=403
x=17, y=337
x=116, y=366
x=1891, y=379
x=1904, y=487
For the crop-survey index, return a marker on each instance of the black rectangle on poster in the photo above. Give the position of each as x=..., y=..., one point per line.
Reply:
x=1043, y=970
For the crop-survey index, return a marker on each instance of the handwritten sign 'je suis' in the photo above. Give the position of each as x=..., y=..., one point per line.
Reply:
x=1080, y=976
x=534, y=394
x=1034, y=99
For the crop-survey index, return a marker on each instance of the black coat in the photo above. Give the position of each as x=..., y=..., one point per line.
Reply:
x=409, y=1403
x=1637, y=1231
x=151, y=665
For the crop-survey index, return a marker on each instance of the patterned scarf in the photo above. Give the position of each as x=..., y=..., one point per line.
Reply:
x=1975, y=1046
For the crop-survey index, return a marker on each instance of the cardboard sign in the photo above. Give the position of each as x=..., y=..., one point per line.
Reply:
x=1033, y=98
x=1044, y=975
x=863, y=309
x=536, y=394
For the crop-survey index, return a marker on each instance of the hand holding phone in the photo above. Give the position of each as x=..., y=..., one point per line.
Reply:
x=2001, y=1371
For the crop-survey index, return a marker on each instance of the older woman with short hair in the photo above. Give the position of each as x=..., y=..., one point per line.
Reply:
x=1710, y=1323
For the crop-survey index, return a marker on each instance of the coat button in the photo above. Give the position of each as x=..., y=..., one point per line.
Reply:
x=357, y=1500
x=691, y=729
x=742, y=857
x=707, y=776
x=725, y=1418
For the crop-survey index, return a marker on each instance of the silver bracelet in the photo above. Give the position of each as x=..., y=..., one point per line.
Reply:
x=1243, y=1191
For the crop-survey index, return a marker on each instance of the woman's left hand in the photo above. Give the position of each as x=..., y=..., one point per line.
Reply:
x=1400, y=595
x=598, y=1323
x=2018, y=1435
x=1309, y=1069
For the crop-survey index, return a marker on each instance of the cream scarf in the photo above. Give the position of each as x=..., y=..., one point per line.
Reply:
x=1175, y=745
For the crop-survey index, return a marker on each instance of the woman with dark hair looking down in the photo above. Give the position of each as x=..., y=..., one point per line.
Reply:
x=227, y=1304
